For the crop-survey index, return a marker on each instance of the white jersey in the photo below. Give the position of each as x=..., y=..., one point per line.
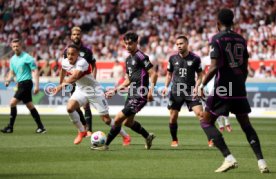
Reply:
x=210, y=86
x=206, y=61
x=88, y=90
x=81, y=64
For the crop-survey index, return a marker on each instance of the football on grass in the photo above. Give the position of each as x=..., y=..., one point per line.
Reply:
x=98, y=138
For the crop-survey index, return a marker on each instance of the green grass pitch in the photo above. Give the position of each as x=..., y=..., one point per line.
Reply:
x=25, y=154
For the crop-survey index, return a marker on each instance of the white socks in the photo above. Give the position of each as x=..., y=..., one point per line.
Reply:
x=75, y=118
x=122, y=132
x=223, y=121
x=230, y=158
x=261, y=162
x=227, y=121
x=112, y=122
x=220, y=122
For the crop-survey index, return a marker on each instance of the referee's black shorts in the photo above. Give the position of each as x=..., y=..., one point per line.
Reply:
x=24, y=91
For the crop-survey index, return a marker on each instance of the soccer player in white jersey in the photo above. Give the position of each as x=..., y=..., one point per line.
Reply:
x=87, y=90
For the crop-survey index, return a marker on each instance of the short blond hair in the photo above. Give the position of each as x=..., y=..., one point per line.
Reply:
x=76, y=28
x=16, y=41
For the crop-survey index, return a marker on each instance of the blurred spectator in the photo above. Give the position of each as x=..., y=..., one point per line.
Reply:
x=260, y=72
x=4, y=67
x=45, y=24
x=251, y=71
x=268, y=74
x=117, y=72
x=273, y=70
x=45, y=70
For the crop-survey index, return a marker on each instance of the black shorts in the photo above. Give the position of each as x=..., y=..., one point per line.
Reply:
x=219, y=106
x=73, y=88
x=24, y=91
x=176, y=101
x=133, y=106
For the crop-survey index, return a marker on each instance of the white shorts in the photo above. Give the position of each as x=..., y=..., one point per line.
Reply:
x=97, y=101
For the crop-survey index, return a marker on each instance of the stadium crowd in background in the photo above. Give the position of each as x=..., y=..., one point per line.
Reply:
x=44, y=26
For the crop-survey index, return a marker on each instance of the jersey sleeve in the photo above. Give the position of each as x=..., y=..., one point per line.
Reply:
x=90, y=57
x=11, y=65
x=170, y=65
x=246, y=54
x=245, y=61
x=214, y=49
x=146, y=63
x=127, y=71
x=198, y=66
x=82, y=65
x=31, y=62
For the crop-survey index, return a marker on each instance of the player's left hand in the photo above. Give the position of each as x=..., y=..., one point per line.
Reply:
x=110, y=93
x=201, y=93
x=54, y=90
x=36, y=90
x=150, y=95
x=195, y=93
x=165, y=92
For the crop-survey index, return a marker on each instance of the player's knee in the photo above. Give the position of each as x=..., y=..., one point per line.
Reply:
x=199, y=114
x=30, y=106
x=106, y=119
x=173, y=119
x=117, y=123
x=173, y=116
x=13, y=103
x=70, y=109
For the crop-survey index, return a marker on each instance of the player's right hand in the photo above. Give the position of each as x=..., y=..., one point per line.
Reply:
x=7, y=83
x=110, y=93
x=36, y=90
x=201, y=93
x=165, y=92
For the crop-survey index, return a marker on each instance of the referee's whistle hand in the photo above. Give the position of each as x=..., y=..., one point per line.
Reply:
x=7, y=83
x=164, y=92
x=36, y=90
